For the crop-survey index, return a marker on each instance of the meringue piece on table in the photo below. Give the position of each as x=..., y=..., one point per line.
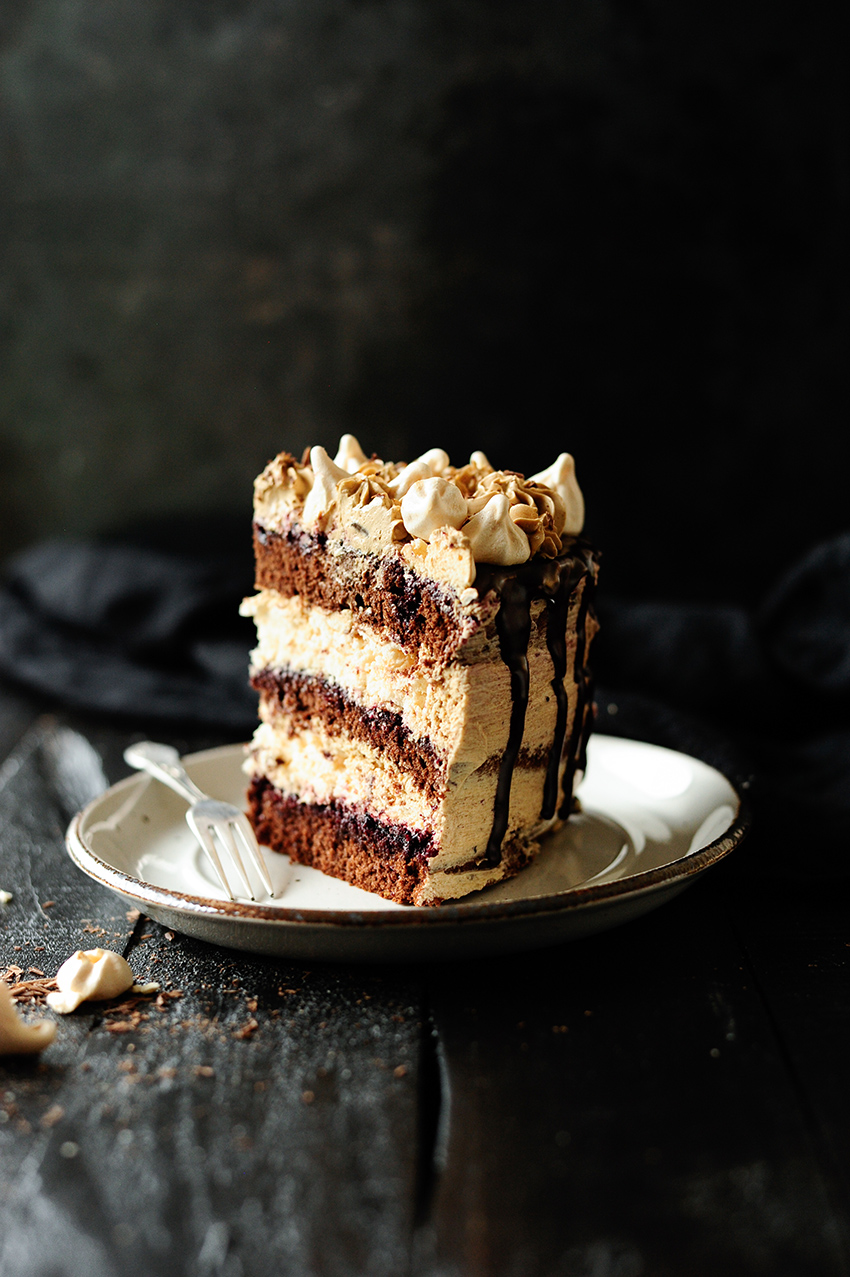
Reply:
x=19, y=1036
x=90, y=975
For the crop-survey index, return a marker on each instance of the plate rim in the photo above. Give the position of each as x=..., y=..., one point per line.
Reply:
x=676, y=872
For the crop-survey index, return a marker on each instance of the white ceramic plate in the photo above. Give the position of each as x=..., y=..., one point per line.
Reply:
x=651, y=821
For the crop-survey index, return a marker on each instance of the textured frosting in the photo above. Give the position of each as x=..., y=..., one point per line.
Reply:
x=486, y=515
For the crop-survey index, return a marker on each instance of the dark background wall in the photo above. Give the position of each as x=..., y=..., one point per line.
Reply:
x=231, y=226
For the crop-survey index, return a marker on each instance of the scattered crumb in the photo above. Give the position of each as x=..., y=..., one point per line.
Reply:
x=204, y=1070
x=133, y=915
x=27, y=992
x=247, y=1029
x=308, y=1097
x=48, y=904
x=400, y=1071
x=53, y=1115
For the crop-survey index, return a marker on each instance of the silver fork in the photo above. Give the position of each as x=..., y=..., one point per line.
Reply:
x=208, y=818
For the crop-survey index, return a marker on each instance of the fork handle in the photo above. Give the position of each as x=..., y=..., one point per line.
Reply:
x=163, y=763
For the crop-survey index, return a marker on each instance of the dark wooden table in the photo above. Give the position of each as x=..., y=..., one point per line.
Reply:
x=670, y=1098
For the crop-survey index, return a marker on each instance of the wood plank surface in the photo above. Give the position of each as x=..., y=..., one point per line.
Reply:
x=625, y=1108
x=666, y=1101
x=263, y=1119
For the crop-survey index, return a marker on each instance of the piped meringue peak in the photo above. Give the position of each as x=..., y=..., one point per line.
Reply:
x=498, y=516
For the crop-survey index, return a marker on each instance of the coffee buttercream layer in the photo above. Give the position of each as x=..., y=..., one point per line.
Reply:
x=459, y=713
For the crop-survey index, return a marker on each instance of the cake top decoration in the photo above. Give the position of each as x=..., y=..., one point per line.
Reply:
x=501, y=517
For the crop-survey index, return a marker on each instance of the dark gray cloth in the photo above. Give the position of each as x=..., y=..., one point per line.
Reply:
x=131, y=629
x=773, y=685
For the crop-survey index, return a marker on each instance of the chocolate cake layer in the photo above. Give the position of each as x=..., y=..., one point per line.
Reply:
x=362, y=850
x=304, y=699
x=413, y=611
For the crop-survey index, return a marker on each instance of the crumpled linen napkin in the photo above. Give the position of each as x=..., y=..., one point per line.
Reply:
x=144, y=631
x=131, y=629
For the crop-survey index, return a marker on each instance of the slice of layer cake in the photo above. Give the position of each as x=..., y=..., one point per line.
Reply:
x=423, y=633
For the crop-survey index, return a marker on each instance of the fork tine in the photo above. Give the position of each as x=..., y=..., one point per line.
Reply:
x=225, y=832
x=246, y=831
x=206, y=840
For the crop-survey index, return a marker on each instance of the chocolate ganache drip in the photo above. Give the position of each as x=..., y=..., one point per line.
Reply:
x=555, y=581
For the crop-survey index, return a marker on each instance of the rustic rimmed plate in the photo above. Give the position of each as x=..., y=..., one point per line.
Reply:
x=652, y=820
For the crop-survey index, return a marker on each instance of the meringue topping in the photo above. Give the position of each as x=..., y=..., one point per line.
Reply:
x=494, y=536
x=561, y=478
x=322, y=495
x=350, y=456
x=430, y=504
x=502, y=518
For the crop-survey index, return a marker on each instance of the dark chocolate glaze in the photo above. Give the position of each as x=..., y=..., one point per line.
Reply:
x=555, y=581
x=577, y=748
